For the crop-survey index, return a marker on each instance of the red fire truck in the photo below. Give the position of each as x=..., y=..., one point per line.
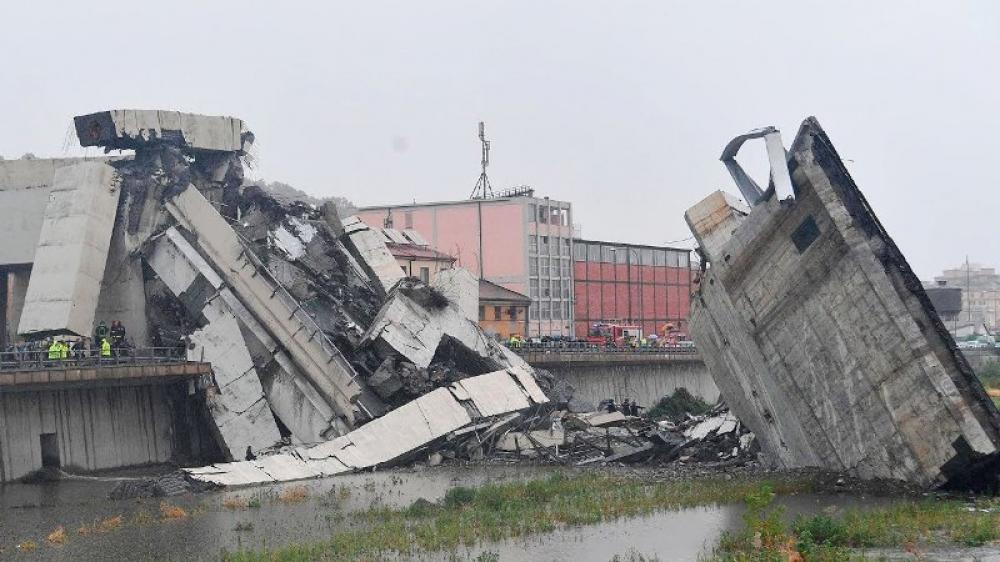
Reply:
x=613, y=334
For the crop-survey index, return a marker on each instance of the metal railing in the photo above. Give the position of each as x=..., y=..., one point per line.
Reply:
x=37, y=358
x=584, y=347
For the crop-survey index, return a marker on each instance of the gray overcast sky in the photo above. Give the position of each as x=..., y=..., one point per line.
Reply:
x=620, y=107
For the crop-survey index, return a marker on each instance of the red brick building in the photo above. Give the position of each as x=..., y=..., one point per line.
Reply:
x=648, y=286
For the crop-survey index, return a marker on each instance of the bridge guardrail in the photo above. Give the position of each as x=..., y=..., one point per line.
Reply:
x=38, y=358
x=583, y=347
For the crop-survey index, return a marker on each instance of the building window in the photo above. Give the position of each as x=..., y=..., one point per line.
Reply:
x=622, y=255
x=566, y=247
x=512, y=312
x=553, y=246
x=556, y=311
x=533, y=311
x=546, y=288
x=660, y=258
x=593, y=252
x=533, y=288
x=566, y=290
x=566, y=314
x=544, y=244
x=580, y=252
x=546, y=313
x=533, y=267
x=533, y=244
x=556, y=287
x=607, y=256
x=685, y=260
x=543, y=214
x=532, y=209
x=482, y=312
x=565, y=268
x=543, y=267
x=647, y=256
x=425, y=274
x=673, y=259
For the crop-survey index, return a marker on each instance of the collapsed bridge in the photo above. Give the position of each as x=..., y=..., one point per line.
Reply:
x=311, y=330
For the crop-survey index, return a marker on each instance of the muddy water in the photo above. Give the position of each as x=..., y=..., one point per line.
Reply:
x=221, y=521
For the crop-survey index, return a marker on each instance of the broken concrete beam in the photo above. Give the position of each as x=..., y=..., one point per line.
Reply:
x=133, y=128
x=823, y=342
x=383, y=441
x=240, y=411
x=461, y=288
x=276, y=310
x=72, y=251
x=293, y=398
x=405, y=328
x=520, y=440
x=713, y=221
x=371, y=253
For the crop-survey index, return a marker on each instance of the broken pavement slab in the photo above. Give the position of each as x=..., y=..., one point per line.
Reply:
x=385, y=440
x=823, y=342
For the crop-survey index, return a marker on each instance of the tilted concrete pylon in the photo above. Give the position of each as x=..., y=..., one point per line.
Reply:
x=823, y=341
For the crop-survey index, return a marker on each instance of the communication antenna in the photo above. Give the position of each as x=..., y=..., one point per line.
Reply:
x=483, y=188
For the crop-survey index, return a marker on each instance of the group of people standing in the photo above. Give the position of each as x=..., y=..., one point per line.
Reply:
x=107, y=342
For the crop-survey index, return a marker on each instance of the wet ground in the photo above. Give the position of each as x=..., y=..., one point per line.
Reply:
x=272, y=516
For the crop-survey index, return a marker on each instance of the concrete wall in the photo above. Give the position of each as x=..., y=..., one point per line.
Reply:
x=644, y=380
x=94, y=428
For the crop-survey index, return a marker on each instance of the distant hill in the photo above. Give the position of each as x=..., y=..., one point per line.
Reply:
x=288, y=194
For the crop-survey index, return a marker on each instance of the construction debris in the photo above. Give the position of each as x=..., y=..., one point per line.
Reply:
x=821, y=338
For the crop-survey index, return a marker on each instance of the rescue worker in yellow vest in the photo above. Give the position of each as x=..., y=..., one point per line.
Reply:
x=55, y=349
x=63, y=350
x=105, y=348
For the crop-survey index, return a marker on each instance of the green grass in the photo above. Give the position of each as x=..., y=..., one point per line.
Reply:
x=909, y=524
x=493, y=512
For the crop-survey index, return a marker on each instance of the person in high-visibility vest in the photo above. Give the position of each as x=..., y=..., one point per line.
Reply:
x=63, y=350
x=55, y=349
x=105, y=348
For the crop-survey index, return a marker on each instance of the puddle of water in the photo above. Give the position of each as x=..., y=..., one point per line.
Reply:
x=680, y=536
x=32, y=511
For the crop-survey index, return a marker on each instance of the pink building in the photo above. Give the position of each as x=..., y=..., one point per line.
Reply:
x=519, y=242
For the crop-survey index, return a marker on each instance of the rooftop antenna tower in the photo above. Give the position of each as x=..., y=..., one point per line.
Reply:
x=483, y=188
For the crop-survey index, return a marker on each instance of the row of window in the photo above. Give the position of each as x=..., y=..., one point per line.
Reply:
x=499, y=313
x=606, y=253
x=549, y=311
x=549, y=245
x=548, y=267
x=546, y=214
x=549, y=288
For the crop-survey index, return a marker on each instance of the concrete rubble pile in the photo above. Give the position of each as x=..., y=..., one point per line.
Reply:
x=322, y=352
x=820, y=337
x=714, y=439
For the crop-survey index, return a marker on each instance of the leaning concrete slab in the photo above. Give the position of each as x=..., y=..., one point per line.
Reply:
x=823, y=342
x=72, y=251
x=371, y=253
x=296, y=402
x=239, y=408
x=131, y=128
x=310, y=349
x=462, y=289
